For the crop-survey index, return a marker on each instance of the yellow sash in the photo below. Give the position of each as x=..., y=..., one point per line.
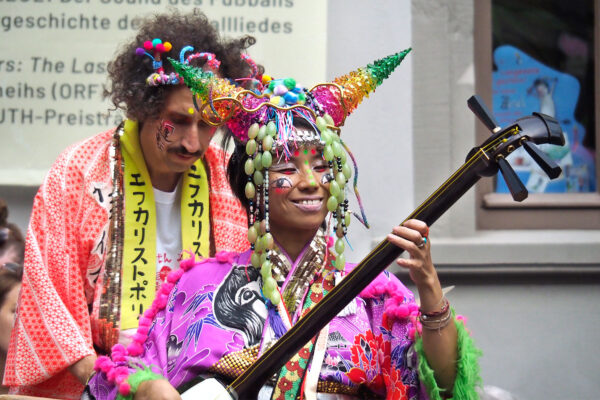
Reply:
x=138, y=278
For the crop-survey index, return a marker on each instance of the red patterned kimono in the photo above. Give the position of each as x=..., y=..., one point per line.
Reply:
x=66, y=249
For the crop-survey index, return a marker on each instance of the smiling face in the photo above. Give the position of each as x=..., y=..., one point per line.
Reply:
x=172, y=142
x=298, y=191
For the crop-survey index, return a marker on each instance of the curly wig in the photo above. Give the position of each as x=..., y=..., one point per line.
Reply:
x=128, y=72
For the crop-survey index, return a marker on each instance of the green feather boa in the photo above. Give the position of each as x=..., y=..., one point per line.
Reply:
x=467, y=369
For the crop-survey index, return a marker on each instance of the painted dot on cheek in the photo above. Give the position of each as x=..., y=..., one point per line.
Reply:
x=313, y=151
x=296, y=153
x=191, y=110
x=305, y=151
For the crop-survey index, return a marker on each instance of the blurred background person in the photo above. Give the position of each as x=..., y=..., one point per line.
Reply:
x=12, y=243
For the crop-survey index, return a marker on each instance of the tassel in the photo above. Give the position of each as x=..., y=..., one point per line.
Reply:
x=275, y=321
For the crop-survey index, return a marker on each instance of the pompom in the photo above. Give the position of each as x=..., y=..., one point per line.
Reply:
x=187, y=263
x=330, y=242
x=167, y=287
x=103, y=363
x=411, y=333
x=174, y=276
x=139, y=337
x=224, y=257
x=148, y=45
x=168, y=46
x=150, y=313
x=139, y=51
x=156, y=42
x=160, y=48
x=145, y=321
x=143, y=329
x=161, y=301
x=135, y=349
x=124, y=389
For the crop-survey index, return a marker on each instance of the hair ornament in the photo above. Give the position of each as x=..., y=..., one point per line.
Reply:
x=211, y=60
x=264, y=118
x=158, y=77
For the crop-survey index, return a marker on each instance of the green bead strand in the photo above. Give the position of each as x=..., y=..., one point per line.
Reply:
x=332, y=203
x=249, y=167
x=321, y=124
x=271, y=129
x=250, y=190
x=267, y=143
x=328, y=153
x=258, y=162
x=251, y=147
x=253, y=131
x=340, y=262
x=339, y=246
x=252, y=234
x=262, y=132
x=258, y=178
x=334, y=188
x=266, y=158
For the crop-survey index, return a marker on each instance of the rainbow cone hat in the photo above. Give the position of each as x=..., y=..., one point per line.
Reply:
x=220, y=101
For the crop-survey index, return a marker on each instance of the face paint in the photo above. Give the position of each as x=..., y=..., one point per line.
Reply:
x=163, y=132
x=326, y=178
x=281, y=184
x=191, y=111
x=309, y=172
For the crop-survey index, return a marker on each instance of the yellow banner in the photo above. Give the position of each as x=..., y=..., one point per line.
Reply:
x=138, y=278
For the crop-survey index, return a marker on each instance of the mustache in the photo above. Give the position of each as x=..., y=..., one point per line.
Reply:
x=180, y=150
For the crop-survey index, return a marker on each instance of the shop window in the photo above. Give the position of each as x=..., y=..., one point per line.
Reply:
x=542, y=56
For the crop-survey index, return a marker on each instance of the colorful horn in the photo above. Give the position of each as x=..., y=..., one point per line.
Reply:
x=341, y=97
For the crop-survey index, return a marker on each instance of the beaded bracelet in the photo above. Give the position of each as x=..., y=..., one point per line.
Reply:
x=435, y=324
x=445, y=308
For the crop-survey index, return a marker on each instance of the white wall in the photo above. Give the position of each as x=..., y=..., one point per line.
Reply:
x=379, y=131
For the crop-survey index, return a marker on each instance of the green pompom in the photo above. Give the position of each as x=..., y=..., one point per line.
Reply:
x=289, y=83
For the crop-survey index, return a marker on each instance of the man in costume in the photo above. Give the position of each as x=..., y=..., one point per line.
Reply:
x=292, y=172
x=115, y=210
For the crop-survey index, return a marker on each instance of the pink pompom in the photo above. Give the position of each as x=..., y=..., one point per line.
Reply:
x=166, y=287
x=187, y=263
x=117, y=350
x=161, y=301
x=124, y=389
x=140, y=338
x=103, y=363
x=461, y=318
x=222, y=256
x=148, y=45
x=174, y=276
x=150, y=313
x=143, y=329
x=160, y=48
x=413, y=308
x=401, y=311
x=135, y=349
x=145, y=321
x=111, y=375
x=330, y=242
x=411, y=333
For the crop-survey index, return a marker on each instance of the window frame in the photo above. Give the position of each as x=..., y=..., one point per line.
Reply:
x=539, y=210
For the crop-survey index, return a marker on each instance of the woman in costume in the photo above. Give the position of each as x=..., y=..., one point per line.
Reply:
x=216, y=316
